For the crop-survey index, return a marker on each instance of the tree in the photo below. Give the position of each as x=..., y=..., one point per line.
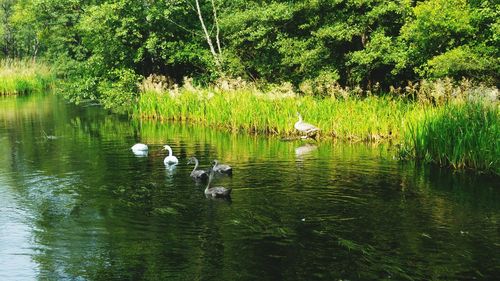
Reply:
x=217, y=54
x=7, y=43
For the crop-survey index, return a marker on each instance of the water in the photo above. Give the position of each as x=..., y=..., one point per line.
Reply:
x=76, y=204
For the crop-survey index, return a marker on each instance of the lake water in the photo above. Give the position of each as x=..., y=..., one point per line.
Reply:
x=76, y=204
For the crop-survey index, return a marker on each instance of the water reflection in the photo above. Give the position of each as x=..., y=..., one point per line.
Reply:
x=140, y=153
x=82, y=207
x=16, y=248
x=170, y=170
x=304, y=150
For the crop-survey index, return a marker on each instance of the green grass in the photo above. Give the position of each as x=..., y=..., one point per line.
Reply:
x=463, y=135
x=353, y=119
x=24, y=76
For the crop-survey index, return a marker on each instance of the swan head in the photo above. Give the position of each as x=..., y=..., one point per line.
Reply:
x=215, y=162
x=210, y=176
x=298, y=115
x=167, y=147
x=192, y=160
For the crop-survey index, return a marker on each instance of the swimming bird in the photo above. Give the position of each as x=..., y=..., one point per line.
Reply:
x=197, y=174
x=170, y=159
x=221, y=168
x=306, y=128
x=140, y=149
x=217, y=191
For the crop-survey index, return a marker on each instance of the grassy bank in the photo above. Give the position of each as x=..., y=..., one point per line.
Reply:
x=463, y=135
x=437, y=128
x=24, y=76
x=370, y=119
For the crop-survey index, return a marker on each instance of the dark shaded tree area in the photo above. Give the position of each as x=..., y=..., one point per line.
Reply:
x=104, y=47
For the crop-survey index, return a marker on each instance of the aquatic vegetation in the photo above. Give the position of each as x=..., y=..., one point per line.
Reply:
x=24, y=76
x=249, y=110
x=463, y=135
x=449, y=125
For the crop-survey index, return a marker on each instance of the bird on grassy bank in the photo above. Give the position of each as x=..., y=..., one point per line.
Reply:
x=170, y=159
x=221, y=168
x=197, y=174
x=140, y=149
x=309, y=130
x=217, y=191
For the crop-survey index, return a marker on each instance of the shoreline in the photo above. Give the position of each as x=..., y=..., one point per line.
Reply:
x=371, y=120
x=20, y=77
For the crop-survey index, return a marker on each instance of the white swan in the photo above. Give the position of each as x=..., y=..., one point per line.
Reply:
x=306, y=128
x=170, y=159
x=140, y=149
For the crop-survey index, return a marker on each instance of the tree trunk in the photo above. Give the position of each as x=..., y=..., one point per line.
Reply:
x=216, y=22
x=207, y=36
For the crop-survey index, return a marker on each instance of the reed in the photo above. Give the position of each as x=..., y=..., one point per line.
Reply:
x=458, y=128
x=463, y=135
x=249, y=110
x=24, y=76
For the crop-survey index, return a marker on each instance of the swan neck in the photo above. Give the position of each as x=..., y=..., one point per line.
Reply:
x=210, y=176
x=169, y=151
x=300, y=118
x=195, y=164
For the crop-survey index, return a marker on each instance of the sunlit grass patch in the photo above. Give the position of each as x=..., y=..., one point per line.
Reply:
x=248, y=110
x=24, y=76
x=463, y=135
x=460, y=131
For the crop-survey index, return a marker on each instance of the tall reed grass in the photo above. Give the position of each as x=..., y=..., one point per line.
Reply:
x=463, y=135
x=24, y=76
x=249, y=110
x=436, y=122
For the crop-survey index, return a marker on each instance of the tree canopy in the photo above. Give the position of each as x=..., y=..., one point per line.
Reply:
x=112, y=43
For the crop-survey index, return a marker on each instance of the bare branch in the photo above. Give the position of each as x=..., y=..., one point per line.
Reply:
x=217, y=29
x=183, y=27
x=190, y=5
x=207, y=36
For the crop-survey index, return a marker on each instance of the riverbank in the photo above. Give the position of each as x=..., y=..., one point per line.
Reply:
x=252, y=111
x=412, y=123
x=463, y=135
x=24, y=76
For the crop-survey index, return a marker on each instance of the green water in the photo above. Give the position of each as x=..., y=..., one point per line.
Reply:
x=76, y=204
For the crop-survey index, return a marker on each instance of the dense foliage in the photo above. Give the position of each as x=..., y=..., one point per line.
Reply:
x=104, y=46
